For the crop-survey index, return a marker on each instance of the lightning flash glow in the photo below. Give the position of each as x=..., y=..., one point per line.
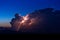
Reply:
x=26, y=23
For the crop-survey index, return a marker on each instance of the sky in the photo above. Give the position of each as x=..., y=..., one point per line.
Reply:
x=8, y=8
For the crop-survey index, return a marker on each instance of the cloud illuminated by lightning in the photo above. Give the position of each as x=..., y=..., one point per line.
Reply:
x=26, y=23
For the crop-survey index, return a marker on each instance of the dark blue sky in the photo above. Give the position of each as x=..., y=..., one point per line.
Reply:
x=9, y=7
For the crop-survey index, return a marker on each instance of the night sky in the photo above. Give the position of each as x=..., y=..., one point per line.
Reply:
x=9, y=7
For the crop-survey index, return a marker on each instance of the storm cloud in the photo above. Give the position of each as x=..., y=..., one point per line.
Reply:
x=41, y=21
